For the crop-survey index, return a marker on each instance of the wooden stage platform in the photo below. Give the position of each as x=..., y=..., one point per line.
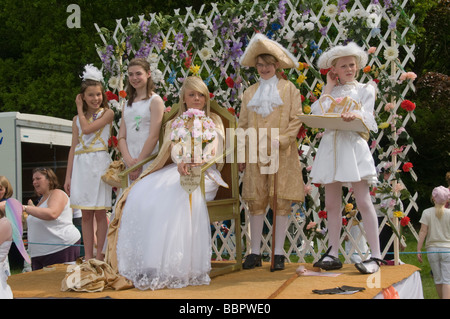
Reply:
x=258, y=283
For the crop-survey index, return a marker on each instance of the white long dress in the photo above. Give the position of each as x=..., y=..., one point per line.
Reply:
x=137, y=121
x=162, y=243
x=91, y=160
x=344, y=156
x=5, y=289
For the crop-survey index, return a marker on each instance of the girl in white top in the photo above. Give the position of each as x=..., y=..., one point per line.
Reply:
x=141, y=117
x=88, y=160
x=343, y=157
x=52, y=236
x=435, y=228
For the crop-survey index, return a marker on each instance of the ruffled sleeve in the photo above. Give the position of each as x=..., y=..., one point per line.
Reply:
x=367, y=94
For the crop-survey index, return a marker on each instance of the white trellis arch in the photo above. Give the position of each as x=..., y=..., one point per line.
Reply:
x=209, y=43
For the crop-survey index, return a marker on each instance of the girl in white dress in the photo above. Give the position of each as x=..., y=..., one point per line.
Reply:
x=141, y=117
x=88, y=160
x=163, y=238
x=343, y=157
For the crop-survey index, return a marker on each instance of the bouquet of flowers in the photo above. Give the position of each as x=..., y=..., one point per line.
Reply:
x=192, y=131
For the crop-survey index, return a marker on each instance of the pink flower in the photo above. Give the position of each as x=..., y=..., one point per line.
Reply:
x=373, y=145
x=388, y=107
x=371, y=50
x=311, y=225
x=408, y=76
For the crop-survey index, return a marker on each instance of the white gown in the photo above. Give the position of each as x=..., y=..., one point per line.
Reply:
x=137, y=121
x=344, y=156
x=162, y=243
x=5, y=289
x=91, y=160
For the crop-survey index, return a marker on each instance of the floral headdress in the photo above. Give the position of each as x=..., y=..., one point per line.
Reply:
x=92, y=73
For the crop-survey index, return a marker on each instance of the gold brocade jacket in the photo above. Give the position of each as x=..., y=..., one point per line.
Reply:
x=290, y=184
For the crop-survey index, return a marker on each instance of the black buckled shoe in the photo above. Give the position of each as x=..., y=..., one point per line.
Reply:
x=364, y=270
x=333, y=264
x=252, y=261
x=278, y=262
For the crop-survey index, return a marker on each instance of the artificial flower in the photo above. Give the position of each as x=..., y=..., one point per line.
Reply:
x=367, y=69
x=384, y=125
x=229, y=81
x=331, y=10
x=407, y=167
x=408, y=76
x=111, y=96
x=371, y=50
x=348, y=207
x=194, y=69
x=322, y=214
x=307, y=109
x=113, y=141
x=123, y=94
x=389, y=107
x=408, y=105
x=398, y=214
x=301, y=78
x=113, y=82
x=391, y=53
x=404, y=221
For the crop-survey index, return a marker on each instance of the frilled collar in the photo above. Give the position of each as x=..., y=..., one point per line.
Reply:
x=266, y=97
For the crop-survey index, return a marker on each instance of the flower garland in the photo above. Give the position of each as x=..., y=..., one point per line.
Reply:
x=191, y=130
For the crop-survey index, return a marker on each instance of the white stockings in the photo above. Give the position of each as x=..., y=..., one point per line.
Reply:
x=333, y=200
x=256, y=227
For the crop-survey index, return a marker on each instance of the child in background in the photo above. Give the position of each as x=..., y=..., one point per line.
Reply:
x=89, y=159
x=435, y=228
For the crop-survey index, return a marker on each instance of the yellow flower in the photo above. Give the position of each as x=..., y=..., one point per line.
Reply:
x=301, y=78
x=383, y=125
x=398, y=214
x=164, y=44
x=307, y=109
x=348, y=207
x=194, y=69
x=300, y=66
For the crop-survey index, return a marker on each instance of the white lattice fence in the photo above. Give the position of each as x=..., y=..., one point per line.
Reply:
x=210, y=42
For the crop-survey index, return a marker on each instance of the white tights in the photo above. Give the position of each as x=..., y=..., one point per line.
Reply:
x=256, y=227
x=333, y=199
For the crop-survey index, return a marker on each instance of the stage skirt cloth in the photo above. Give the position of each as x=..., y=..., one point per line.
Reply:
x=162, y=241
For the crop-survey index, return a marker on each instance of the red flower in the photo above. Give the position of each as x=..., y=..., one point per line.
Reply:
x=232, y=110
x=303, y=98
x=211, y=95
x=302, y=132
x=230, y=83
x=376, y=81
x=324, y=71
x=407, y=166
x=408, y=105
x=111, y=96
x=322, y=214
x=404, y=221
x=317, y=185
x=344, y=221
x=113, y=141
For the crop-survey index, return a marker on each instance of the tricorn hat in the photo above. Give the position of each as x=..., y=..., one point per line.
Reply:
x=260, y=44
x=327, y=58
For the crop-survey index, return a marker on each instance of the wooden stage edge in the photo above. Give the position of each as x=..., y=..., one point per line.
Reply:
x=258, y=283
